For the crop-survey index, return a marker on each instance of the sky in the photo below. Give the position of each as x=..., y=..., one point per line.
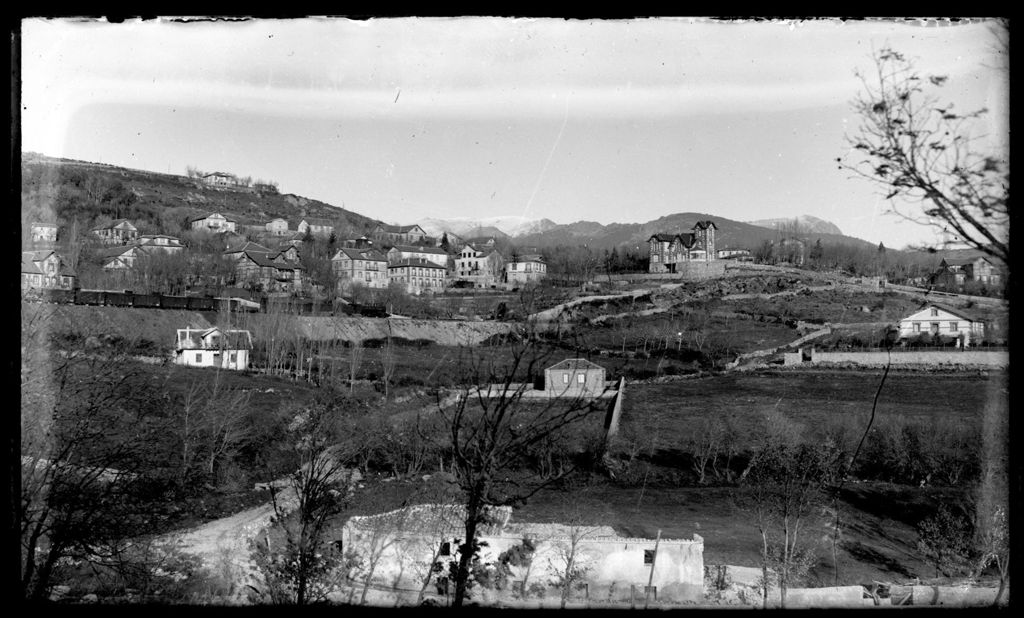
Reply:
x=402, y=119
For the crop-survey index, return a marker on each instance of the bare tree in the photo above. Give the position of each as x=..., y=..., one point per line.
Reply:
x=922, y=151
x=307, y=569
x=784, y=488
x=490, y=430
x=388, y=362
x=91, y=449
x=572, y=562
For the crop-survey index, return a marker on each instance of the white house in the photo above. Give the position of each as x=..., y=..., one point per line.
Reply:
x=574, y=377
x=316, y=227
x=277, y=227
x=43, y=232
x=480, y=265
x=214, y=222
x=117, y=232
x=938, y=320
x=213, y=347
x=525, y=269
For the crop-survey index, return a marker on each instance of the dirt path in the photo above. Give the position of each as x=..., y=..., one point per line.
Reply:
x=223, y=545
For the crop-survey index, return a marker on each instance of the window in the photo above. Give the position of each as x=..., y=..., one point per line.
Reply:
x=199, y=357
x=446, y=549
x=648, y=556
x=917, y=327
x=935, y=312
x=565, y=378
x=953, y=326
x=580, y=378
x=234, y=357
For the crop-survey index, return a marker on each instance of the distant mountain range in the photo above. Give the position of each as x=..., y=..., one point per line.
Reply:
x=157, y=192
x=805, y=223
x=730, y=235
x=500, y=226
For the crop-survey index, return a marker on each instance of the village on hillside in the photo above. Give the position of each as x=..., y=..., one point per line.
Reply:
x=233, y=395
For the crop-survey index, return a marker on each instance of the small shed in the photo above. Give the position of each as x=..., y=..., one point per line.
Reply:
x=573, y=377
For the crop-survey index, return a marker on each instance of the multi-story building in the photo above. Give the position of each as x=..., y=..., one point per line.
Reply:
x=365, y=266
x=418, y=275
x=273, y=273
x=406, y=252
x=483, y=267
x=525, y=269
x=978, y=268
x=668, y=250
x=398, y=234
x=45, y=270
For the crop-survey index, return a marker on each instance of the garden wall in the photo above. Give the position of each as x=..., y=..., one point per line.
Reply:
x=684, y=270
x=928, y=357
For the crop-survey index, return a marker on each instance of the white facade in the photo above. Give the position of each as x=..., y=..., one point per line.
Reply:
x=525, y=270
x=215, y=222
x=278, y=227
x=213, y=347
x=408, y=252
x=939, y=321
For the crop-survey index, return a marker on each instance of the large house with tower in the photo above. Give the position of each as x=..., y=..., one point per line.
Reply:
x=668, y=250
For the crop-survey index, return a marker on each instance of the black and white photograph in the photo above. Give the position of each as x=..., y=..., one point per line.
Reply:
x=513, y=312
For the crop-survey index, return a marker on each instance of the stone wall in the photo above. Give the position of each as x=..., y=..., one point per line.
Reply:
x=684, y=270
x=928, y=357
x=615, y=566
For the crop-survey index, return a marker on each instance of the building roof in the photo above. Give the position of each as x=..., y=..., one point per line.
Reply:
x=28, y=265
x=700, y=225
x=263, y=259
x=963, y=261
x=146, y=238
x=663, y=237
x=207, y=216
x=249, y=246
x=203, y=339
x=398, y=229
x=316, y=221
x=957, y=312
x=111, y=252
x=361, y=254
x=220, y=174
x=30, y=262
x=416, y=249
x=576, y=364
x=530, y=257
x=416, y=262
x=113, y=224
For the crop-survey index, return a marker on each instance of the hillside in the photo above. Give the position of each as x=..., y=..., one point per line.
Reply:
x=731, y=234
x=49, y=186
